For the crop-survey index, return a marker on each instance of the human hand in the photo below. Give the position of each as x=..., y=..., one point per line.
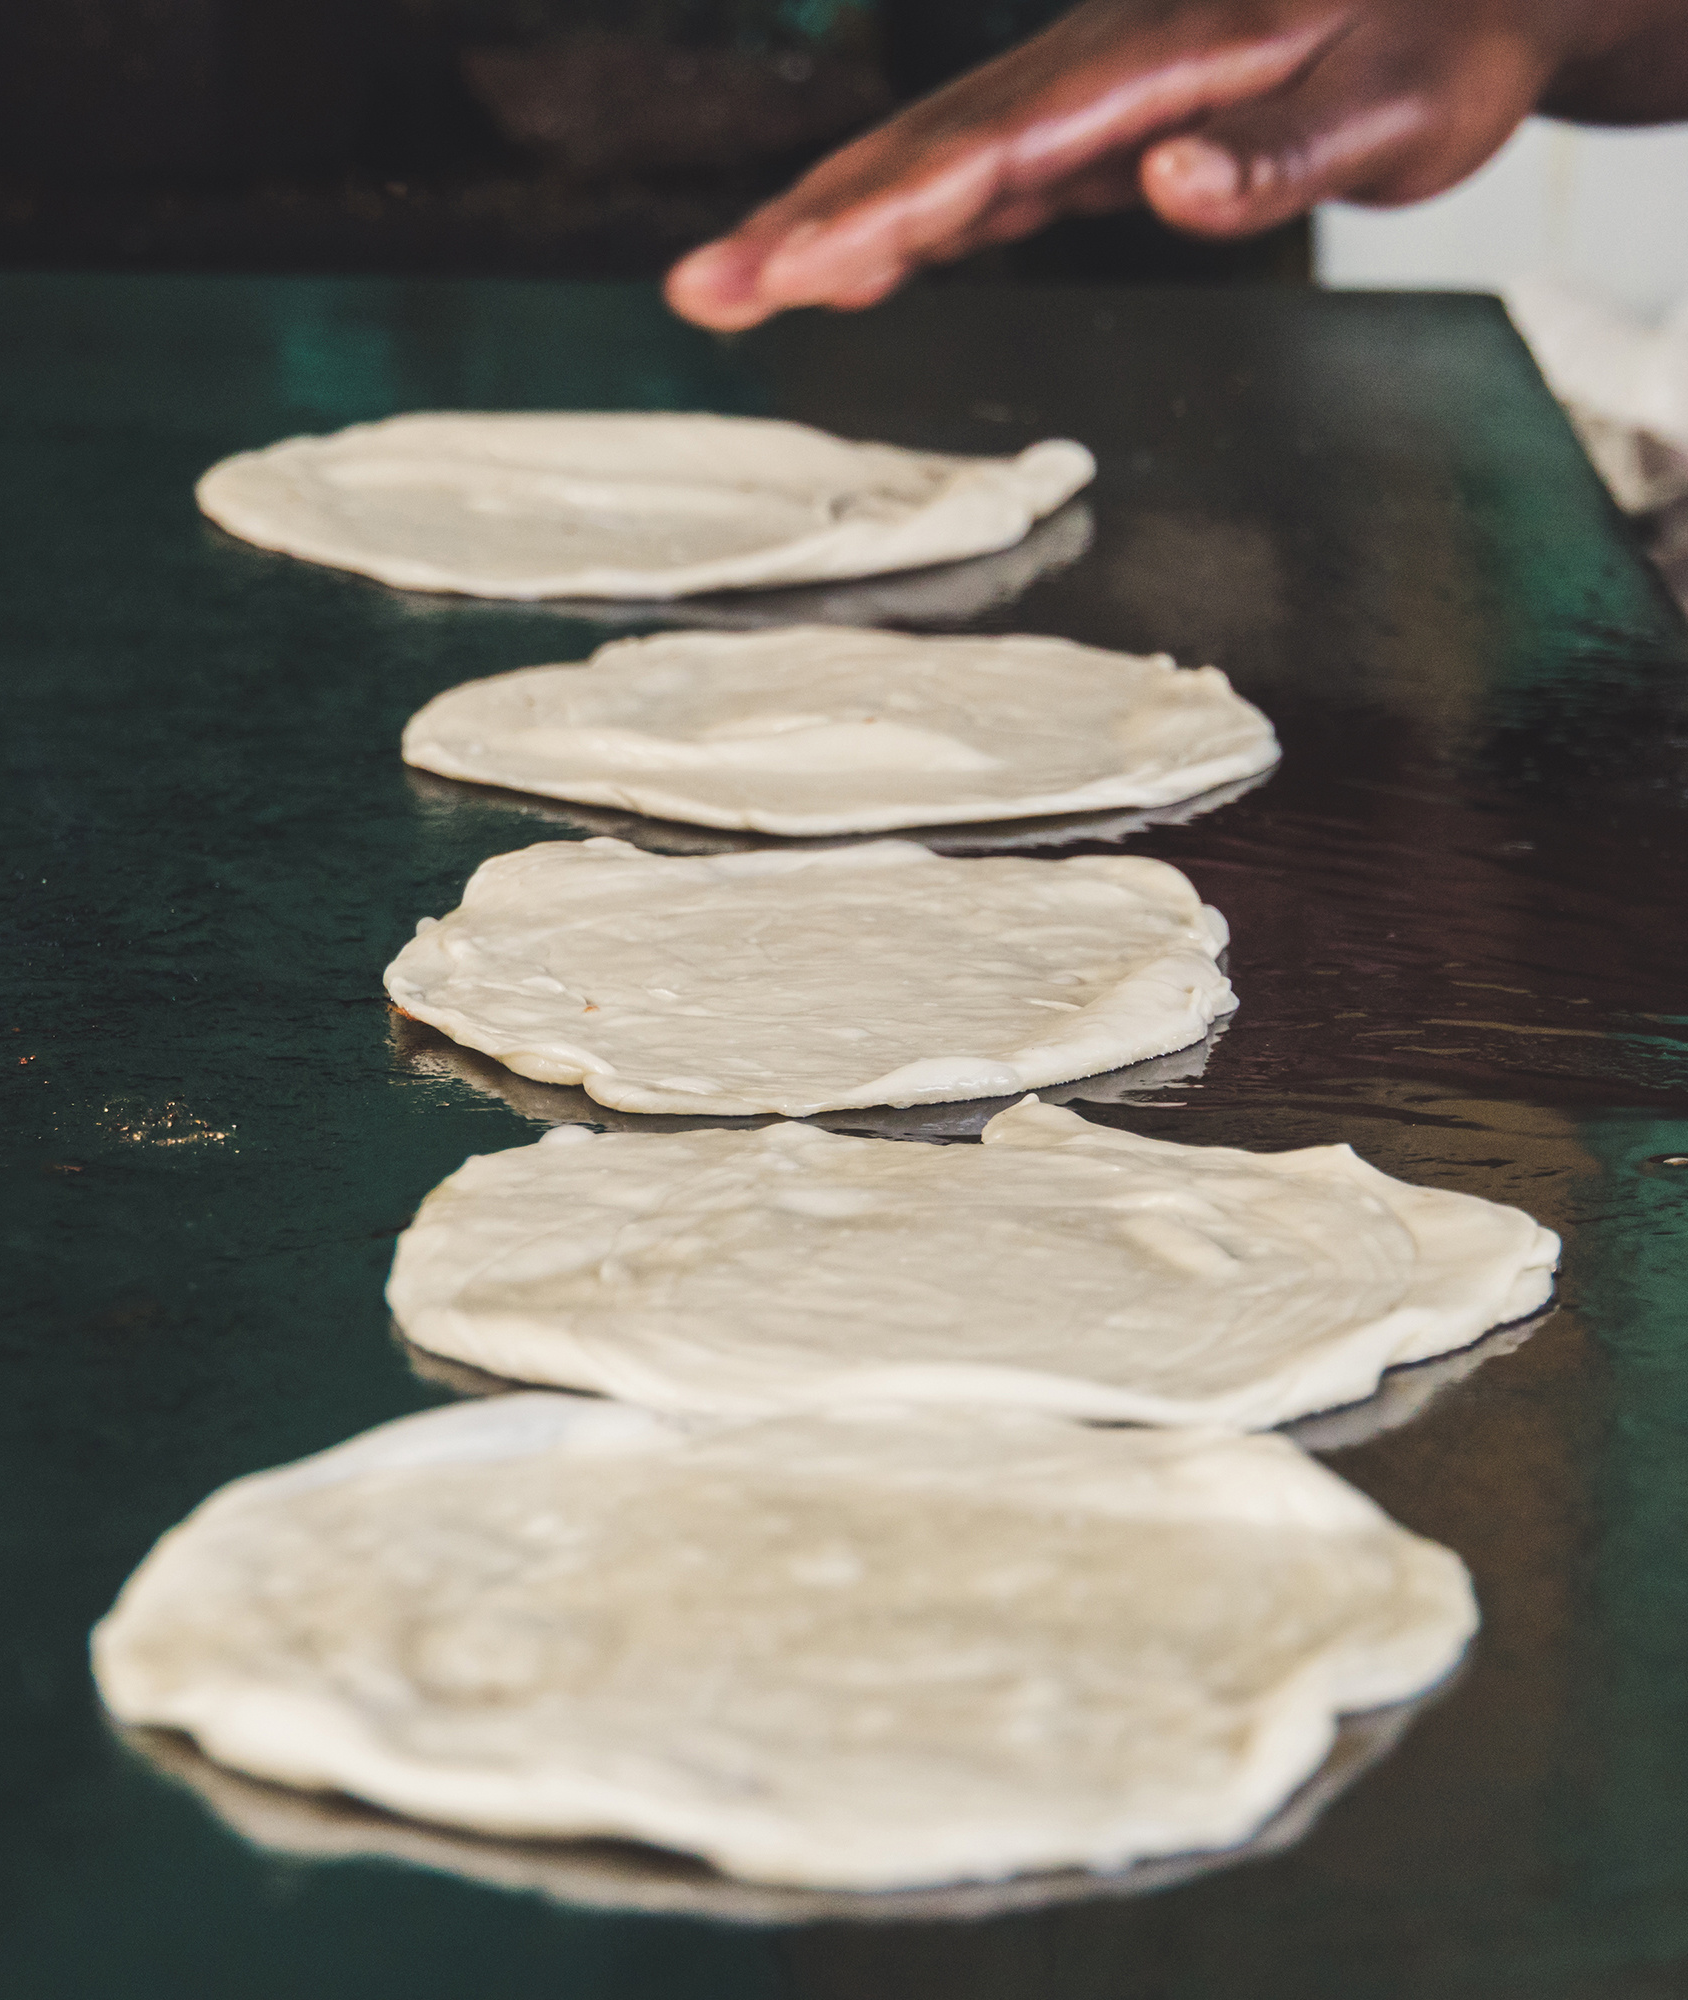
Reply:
x=1226, y=116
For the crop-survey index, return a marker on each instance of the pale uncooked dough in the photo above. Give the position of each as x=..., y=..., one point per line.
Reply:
x=796, y=982
x=1059, y=1266
x=637, y=505
x=860, y=1651
x=814, y=730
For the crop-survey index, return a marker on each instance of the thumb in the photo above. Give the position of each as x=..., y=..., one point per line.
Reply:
x=1356, y=125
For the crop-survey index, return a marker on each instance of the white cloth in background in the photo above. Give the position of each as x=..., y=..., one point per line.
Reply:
x=1624, y=385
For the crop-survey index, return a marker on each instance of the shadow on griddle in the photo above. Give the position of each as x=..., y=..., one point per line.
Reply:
x=627, y=1876
x=424, y=1051
x=943, y=594
x=1050, y=837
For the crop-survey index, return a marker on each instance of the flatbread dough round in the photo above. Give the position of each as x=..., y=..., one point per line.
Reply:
x=797, y=982
x=857, y=1651
x=815, y=730
x=626, y=505
x=1060, y=1266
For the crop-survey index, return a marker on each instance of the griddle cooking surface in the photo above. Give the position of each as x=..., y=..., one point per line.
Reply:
x=1459, y=942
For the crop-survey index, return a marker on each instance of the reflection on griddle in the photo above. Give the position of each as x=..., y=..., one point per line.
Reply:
x=946, y=594
x=1051, y=837
x=462, y=1378
x=424, y=1051
x=1404, y=1394
x=626, y=1876
x=1407, y=1392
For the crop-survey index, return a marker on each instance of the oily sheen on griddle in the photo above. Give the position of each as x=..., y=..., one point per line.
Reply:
x=1061, y=1265
x=858, y=1651
x=647, y=504
x=812, y=980
x=811, y=729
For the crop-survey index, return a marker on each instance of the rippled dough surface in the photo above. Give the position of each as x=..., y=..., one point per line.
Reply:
x=807, y=981
x=1060, y=1266
x=639, y=505
x=856, y=1652
x=811, y=729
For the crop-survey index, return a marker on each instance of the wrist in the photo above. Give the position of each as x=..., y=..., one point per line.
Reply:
x=1627, y=64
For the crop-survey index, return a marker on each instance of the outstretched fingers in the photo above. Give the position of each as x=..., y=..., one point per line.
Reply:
x=1052, y=126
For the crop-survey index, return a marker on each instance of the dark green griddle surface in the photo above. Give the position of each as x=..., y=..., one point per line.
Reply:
x=1459, y=915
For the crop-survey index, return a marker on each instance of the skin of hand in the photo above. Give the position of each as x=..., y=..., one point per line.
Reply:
x=1225, y=116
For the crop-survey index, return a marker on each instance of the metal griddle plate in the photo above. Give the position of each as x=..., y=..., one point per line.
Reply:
x=1458, y=911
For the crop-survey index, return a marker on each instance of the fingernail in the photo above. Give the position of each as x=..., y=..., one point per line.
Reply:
x=721, y=269
x=1201, y=170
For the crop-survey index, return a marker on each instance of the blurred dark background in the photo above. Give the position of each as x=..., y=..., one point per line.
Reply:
x=583, y=138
